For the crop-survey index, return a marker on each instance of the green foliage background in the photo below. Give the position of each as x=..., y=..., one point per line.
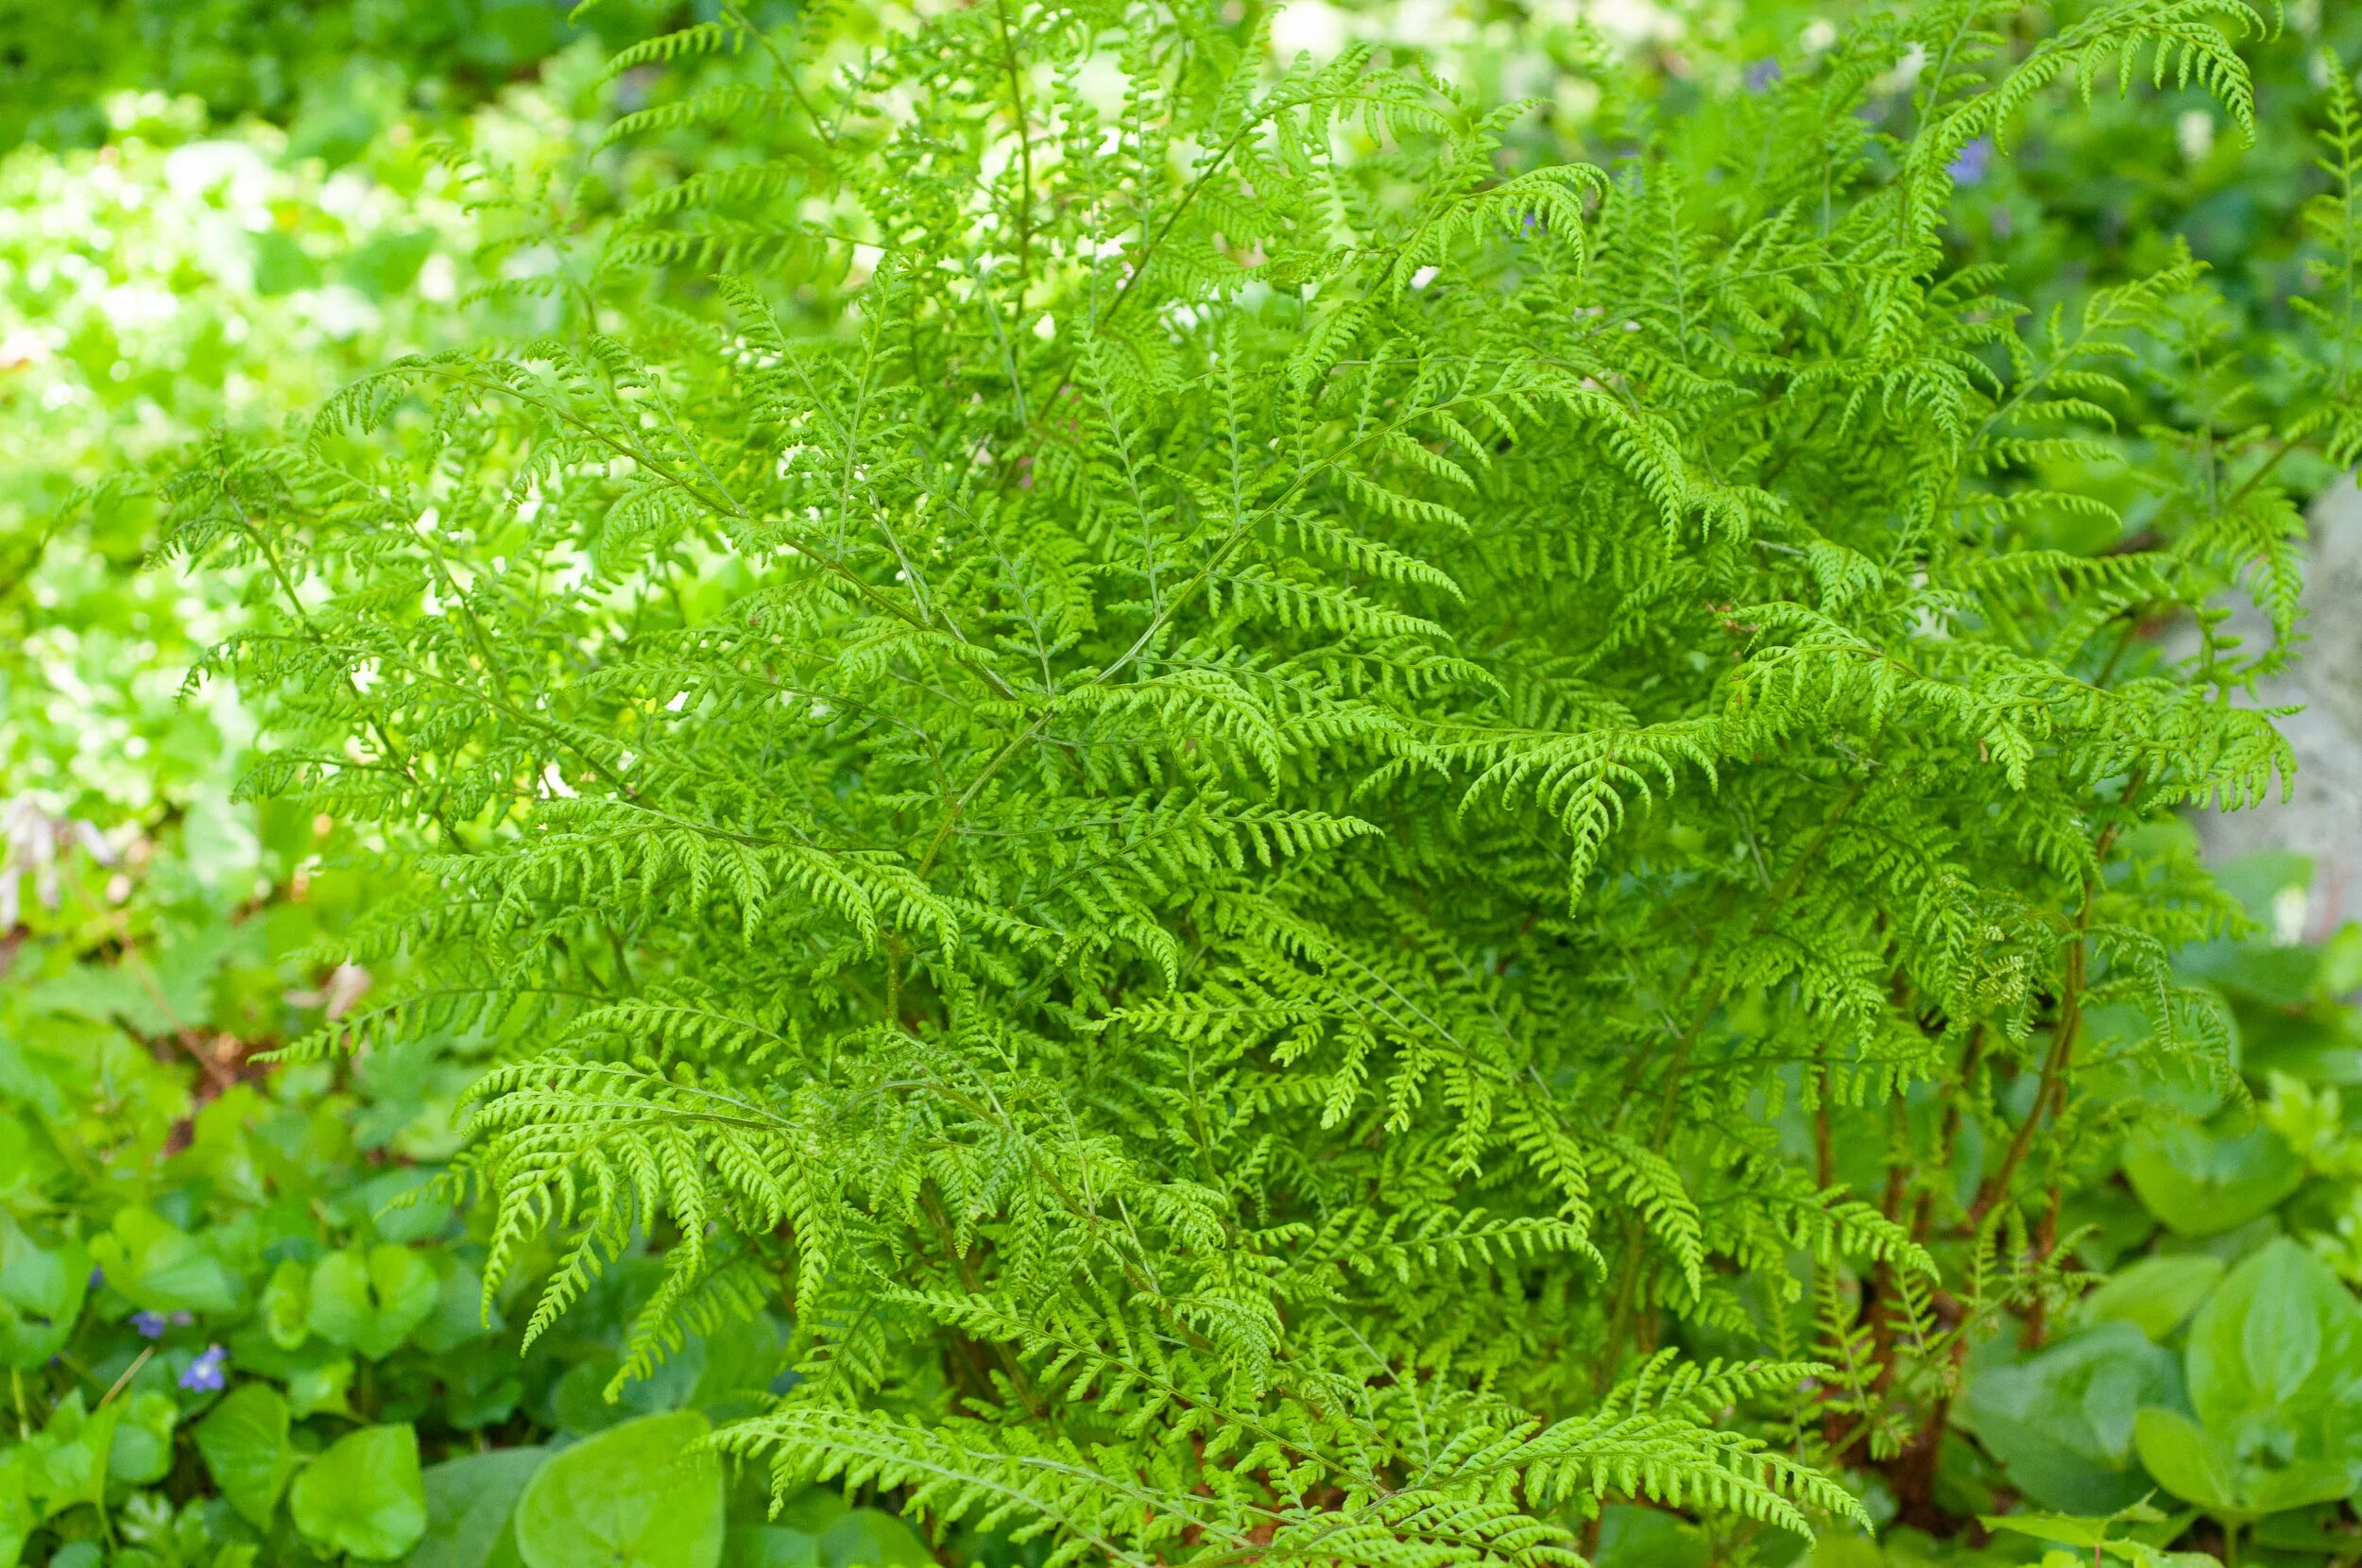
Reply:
x=1817, y=857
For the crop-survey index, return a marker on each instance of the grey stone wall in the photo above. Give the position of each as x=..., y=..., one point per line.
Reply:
x=2323, y=817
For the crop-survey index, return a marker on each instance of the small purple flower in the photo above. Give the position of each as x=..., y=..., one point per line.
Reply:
x=1761, y=74
x=150, y=1324
x=206, y=1373
x=1972, y=162
x=97, y=1277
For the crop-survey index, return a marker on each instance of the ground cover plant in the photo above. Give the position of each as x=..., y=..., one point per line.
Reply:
x=1217, y=819
x=236, y=1332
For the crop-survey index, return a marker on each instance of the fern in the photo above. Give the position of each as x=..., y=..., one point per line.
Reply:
x=1256, y=803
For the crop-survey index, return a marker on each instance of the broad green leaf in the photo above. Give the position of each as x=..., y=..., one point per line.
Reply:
x=869, y=1538
x=287, y=1305
x=398, y=1205
x=2302, y=1484
x=2058, y=1528
x=458, y=1316
x=481, y=1382
x=161, y=1268
x=221, y=1149
x=40, y=1295
x=811, y=1510
x=2194, y=1464
x=20, y=1166
x=2155, y=1295
x=580, y=1399
x=18, y=1516
x=318, y=1376
x=25, y=1081
x=2276, y=1361
x=324, y=1389
x=2061, y=1421
x=1635, y=1537
x=2279, y=973
x=244, y=1439
x=2112, y=1535
x=2319, y=1529
x=372, y=1300
x=142, y=1453
x=2187, y=1462
x=635, y=1497
x=363, y=1495
x=770, y=1547
x=469, y=1503
x=741, y=1355
x=790, y=1537
x=2199, y=1185
x=67, y=1459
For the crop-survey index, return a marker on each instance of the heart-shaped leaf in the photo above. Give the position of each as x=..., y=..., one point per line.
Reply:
x=162, y=1268
x=469, y=1503
x=363, y=1495
x=637, y=1495
x=40, y=1295
x=370, y=1301
x=870, y=1538
x=2199, y=1185
x=286, y=1305
x=68, y=1457
x=244, y=1443
x=142, y=1453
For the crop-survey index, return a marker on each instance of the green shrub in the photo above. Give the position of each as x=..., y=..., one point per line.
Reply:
x=1321, y=847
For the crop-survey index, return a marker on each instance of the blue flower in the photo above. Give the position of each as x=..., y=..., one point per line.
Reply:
x=1972, y=162
x=207, y=1373
x=1762, y=74
x=150, y=1324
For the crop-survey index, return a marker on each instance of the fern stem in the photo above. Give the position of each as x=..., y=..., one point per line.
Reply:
x=1025, y=146
x=1621, y=1314
x=2050, y=1090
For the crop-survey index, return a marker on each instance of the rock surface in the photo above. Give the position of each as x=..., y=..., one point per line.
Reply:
x=2323, y=818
